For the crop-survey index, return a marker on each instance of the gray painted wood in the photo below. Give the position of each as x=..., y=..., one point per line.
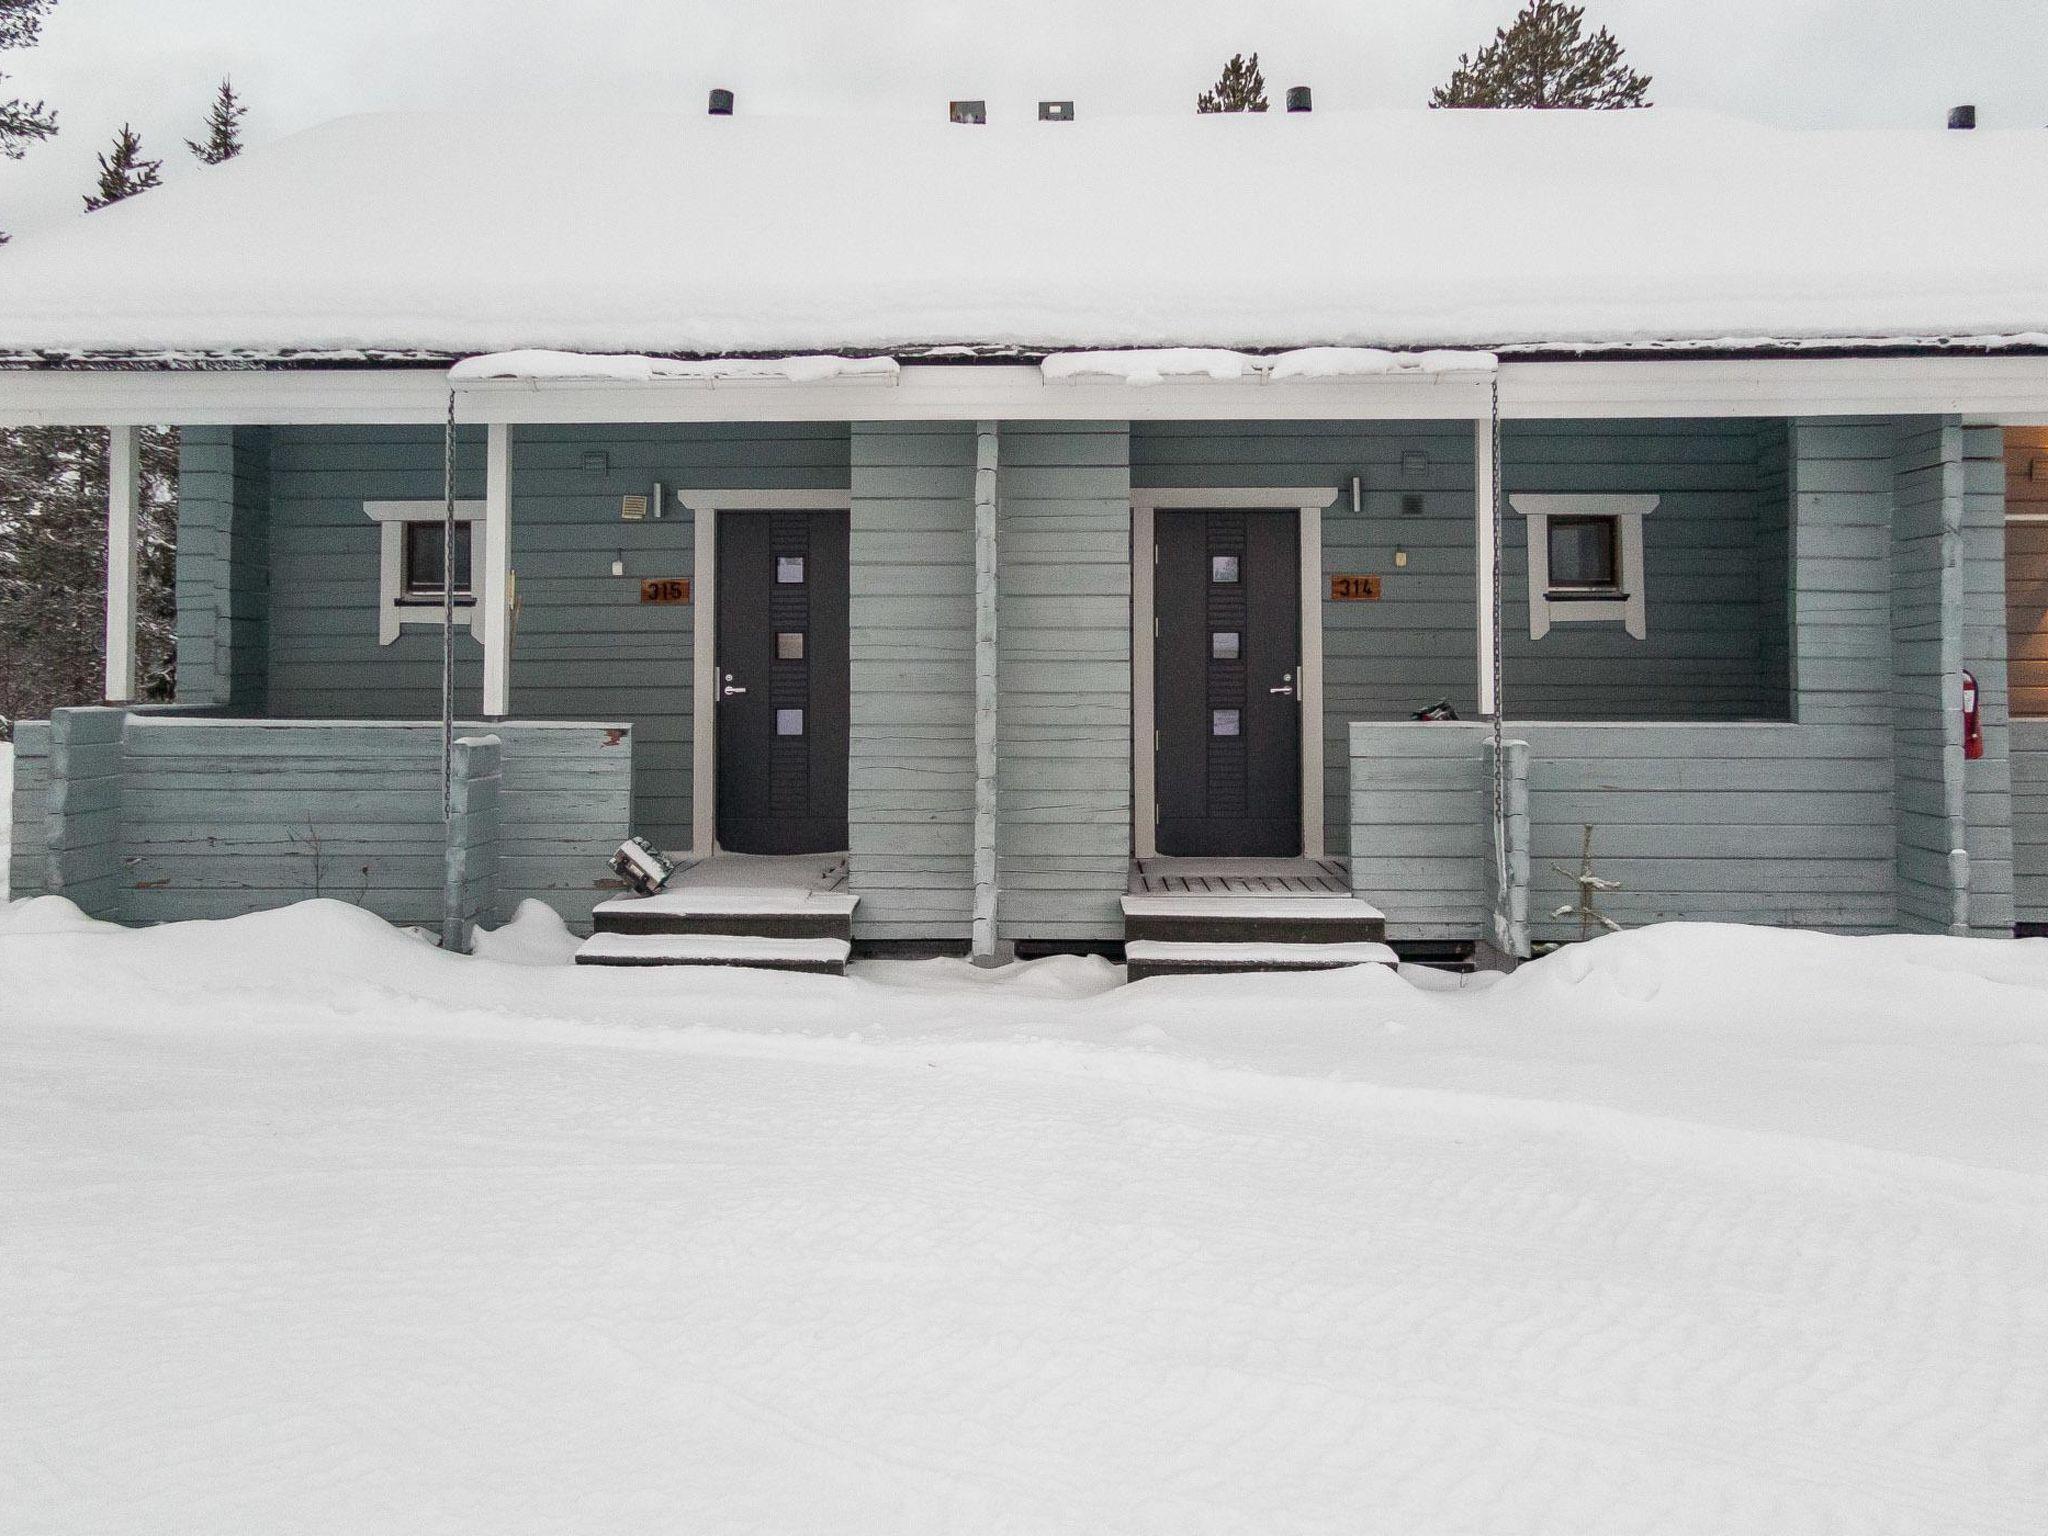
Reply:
x=1926, y=623
x=583, y=644
x=223, y=816
x=1065, y=680
x=1987, y=781
x=1713, y=559
x=28, y=851
x=470, y=855
x=910, y=798
x=223, y=566
x=1421, y=838
x=83, y=809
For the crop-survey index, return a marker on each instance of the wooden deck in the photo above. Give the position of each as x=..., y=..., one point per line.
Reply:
x=1239, y=877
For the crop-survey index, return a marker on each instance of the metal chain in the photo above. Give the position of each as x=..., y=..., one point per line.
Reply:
x=1504, y=911
x=448, y=616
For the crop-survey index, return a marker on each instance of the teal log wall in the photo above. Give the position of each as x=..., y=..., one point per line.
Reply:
x=1844, y=819
x=1064, y=627
x=1714, y=553
x=910, y=779
x=156, y=818
x=584, y=645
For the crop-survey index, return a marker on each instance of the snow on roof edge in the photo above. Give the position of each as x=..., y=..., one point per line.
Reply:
x=249, y=359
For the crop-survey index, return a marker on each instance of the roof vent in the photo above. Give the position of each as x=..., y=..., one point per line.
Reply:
x=1962, y=117
x=1299, y=99
x=968, y=111
x=1055, y=111
x=721, y=103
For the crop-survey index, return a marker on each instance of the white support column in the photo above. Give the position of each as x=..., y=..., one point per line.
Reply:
x=124, y=532
x=985, y=740
x=1482, y=513
x=496, y=597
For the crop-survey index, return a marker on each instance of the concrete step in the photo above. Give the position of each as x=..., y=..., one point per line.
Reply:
x=774, y=912
x=818, y=957
x=1147, y=958
x=1253, y=919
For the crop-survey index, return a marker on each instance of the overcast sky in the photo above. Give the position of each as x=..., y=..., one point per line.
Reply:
x=154, y=63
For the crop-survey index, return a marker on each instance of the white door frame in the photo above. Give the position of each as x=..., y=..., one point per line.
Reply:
x=704, y=507
x=1309, y=502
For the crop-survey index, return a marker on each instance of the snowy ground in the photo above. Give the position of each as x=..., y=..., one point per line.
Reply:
x=307, y=1226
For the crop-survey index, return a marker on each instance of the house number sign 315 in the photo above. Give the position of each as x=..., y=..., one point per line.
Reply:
x=665, y=589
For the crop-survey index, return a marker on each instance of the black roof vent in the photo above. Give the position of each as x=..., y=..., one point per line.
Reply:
x=1299, y=99
x=721, y=103
x=968, y=111
x=1055, y=111
x=1962, y=117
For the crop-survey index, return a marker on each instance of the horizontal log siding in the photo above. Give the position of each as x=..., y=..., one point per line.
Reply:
x=1713, y=592
x=29, y=848
x=1064, y=647
x=1987, y=781
x=84, y=806
x=2029, y=820
x=910, y=794
x=224, y=817
x=1926, y=655
x=584, y=644
x=1421, y=820
x=1738, y=823
x=223, y=566
x=1841, y=477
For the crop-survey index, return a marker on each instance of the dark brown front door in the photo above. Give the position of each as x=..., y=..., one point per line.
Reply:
x=782, y=681
x=1227, y=593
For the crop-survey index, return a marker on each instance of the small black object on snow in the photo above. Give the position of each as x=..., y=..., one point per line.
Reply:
x=642, y=866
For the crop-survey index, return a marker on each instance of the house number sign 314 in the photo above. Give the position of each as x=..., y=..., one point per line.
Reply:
x=1354, y=589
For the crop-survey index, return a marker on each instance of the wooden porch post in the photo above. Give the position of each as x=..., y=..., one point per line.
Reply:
x=985, y=740
x=496, y=597
x=1482, y=522
x=124, y=518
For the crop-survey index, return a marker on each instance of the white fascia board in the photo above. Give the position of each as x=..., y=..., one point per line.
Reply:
x=1997, y=389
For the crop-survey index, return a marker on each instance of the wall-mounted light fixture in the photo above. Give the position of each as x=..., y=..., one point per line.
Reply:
x=1357, y=494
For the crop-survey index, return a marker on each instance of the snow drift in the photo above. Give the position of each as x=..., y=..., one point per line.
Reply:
x=308, y=1225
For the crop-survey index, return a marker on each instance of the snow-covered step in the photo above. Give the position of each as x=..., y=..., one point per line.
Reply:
x=783, y=912
x=1164, y=957
x=821, y=957
x=1237, y=918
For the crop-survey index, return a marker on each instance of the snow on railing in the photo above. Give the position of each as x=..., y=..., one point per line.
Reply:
x=540, y=366
x=1142, y=367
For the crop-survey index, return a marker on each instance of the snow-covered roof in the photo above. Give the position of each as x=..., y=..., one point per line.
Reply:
x=455, y=234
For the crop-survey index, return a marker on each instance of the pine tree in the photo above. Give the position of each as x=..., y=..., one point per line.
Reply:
x=53, y=551
x=1543, y=60
x=53, y=567
x=22, y=123
x=1241, y=89
x=126, y=173
x=223, y=128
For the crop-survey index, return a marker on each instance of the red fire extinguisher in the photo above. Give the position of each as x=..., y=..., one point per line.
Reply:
x=1973, y=726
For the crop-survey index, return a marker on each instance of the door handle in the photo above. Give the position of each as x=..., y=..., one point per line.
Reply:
x=729, y=690
x=1286, y=687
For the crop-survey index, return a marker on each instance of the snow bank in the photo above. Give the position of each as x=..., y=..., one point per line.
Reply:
x=476, y=233
x=1695, y=1229
x=535, y=935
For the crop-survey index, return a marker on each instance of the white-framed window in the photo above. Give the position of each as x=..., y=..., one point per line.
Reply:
x=1585, y=560
x=409, y=563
